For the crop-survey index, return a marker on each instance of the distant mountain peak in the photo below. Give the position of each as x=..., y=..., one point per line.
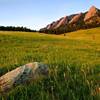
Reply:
x=93, y=7
x=92, y=12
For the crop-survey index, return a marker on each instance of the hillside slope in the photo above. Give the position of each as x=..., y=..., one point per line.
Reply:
x=88, y=34
x=86, y=20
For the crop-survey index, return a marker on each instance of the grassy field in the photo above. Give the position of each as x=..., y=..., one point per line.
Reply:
x=73, y=60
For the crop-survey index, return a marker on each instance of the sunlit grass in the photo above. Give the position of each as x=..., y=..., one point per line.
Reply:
x=73, y=60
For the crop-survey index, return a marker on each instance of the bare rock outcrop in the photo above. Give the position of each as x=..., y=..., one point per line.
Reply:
x=58, y=23
x=22, y=75
x=62, y=21
x=49, y=26
x=75, y=19
x=91, y=13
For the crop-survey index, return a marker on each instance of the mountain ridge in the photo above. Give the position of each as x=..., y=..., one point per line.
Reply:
x=89, y=19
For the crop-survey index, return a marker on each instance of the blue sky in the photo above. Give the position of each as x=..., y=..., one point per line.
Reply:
x=36, y=14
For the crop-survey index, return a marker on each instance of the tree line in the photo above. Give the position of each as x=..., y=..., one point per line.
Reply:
x=13, y=28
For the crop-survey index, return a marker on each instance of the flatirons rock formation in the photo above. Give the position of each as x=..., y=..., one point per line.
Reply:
x=22, y=74
x=75, y=19
x=58, y=23
x=62, y=21
x=74, y=22
x=93, y=11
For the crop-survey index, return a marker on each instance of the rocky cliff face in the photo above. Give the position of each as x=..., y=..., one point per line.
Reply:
x=88, y=19
x=93, y=11
x=58, y=23
x=75, y=19
x=63, y=21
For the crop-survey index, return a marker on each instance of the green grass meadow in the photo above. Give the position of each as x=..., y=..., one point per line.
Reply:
x=73, y=61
